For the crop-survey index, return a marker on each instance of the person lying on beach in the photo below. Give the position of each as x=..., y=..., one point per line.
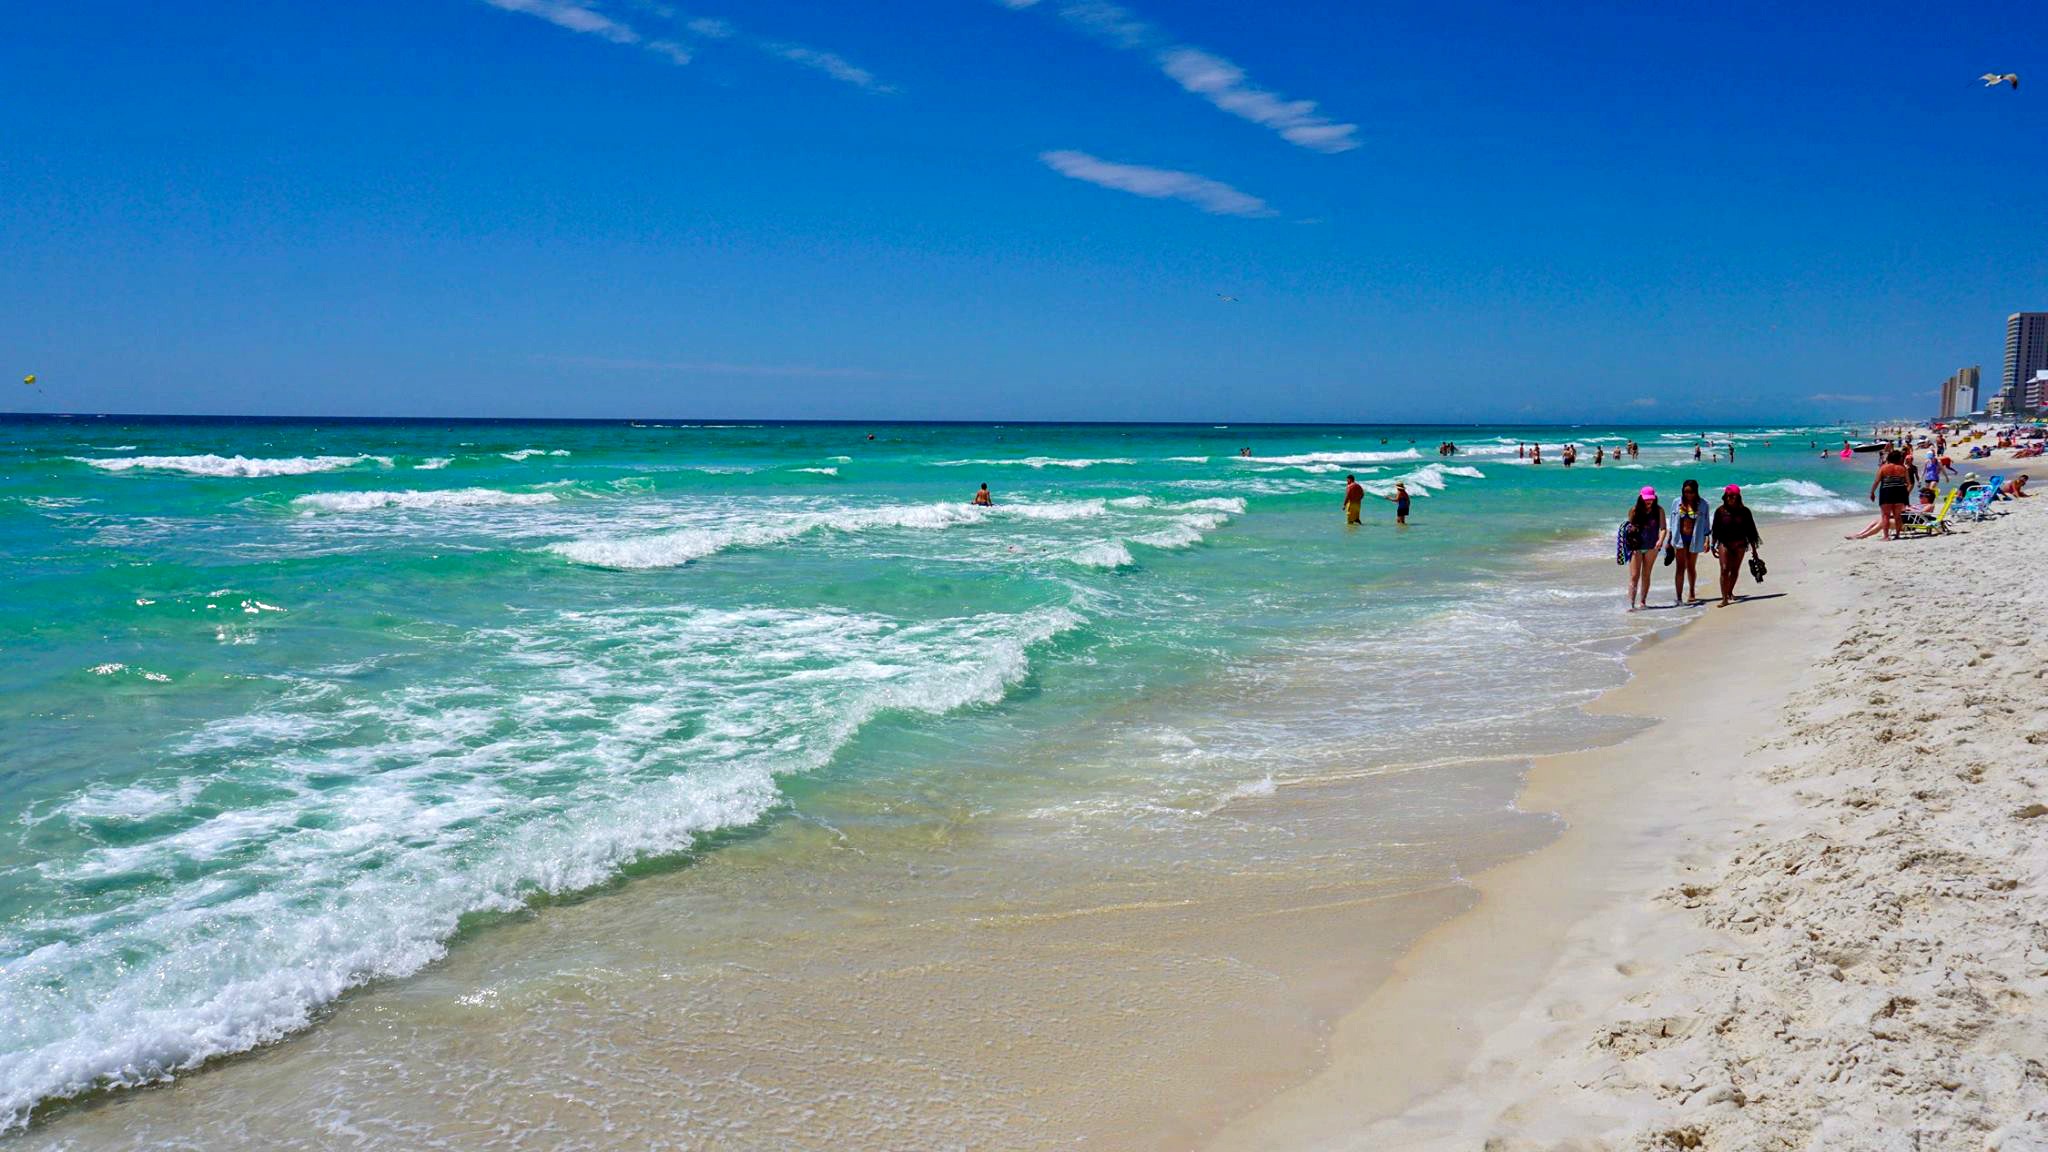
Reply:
x=2015, y=488
x=983, y=499
x=1735, y=534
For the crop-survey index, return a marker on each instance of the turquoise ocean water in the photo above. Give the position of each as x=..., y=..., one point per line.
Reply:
x=286, y=708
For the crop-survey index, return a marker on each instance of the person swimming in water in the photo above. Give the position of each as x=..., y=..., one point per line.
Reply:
x=982, y=499
x=1400, y=499
x=1354, y=499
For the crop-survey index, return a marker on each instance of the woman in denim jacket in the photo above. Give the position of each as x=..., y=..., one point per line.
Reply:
x=1688, y=536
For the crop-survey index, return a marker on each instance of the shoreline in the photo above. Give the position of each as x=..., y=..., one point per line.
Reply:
x=1454, y=990
x=1569, y=1007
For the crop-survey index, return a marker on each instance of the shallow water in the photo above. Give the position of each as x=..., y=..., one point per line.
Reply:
x=290, y=710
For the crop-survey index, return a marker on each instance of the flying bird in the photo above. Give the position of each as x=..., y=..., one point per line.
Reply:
x=1226, y=299
x=1993, y=79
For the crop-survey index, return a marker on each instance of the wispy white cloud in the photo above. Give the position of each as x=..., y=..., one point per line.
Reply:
x=1206, y=74
x=830, y=63
x=669, y=48
x=575, y=17
x=1223, y=84
x=1841, y=398
x=585, y=16
x=1112, y=22
x=1212, y=196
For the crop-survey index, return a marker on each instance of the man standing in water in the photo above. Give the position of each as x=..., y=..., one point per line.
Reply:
x=1354, y=499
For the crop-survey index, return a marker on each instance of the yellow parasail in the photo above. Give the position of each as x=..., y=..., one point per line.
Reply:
x=29, y=379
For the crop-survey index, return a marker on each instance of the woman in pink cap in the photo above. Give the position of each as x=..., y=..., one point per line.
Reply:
x=1734, y=535
x=1645, y=540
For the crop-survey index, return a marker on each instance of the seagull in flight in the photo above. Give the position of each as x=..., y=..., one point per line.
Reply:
x=1993, y=79
x=1226, y=299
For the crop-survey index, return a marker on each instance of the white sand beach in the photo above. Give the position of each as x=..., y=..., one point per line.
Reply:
x=1803, y=910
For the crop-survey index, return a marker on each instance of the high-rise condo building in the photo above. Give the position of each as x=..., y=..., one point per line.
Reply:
x=2026, y=352
x=1959, y=393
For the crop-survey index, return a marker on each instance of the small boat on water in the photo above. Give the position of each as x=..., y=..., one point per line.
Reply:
x=1871, y=446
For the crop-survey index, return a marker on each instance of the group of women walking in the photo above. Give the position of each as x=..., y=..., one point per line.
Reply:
x=1679, y=535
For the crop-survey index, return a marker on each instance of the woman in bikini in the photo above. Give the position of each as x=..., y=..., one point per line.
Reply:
x=1646, y=539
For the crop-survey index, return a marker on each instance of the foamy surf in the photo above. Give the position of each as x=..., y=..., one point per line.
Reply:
x=1802, y=498
x=413, y=500
x=232, y=466
x=1034, y=462
x=389, y=815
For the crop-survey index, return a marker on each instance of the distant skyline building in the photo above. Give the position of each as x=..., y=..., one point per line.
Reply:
x=1959, y=392
x=2026, y=352
x=2034, y=393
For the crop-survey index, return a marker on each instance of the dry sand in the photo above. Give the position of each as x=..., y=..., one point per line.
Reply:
x=1805, y=910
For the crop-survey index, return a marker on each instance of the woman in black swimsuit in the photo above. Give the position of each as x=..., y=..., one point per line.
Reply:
x=1893, y=484
x=1734, y=535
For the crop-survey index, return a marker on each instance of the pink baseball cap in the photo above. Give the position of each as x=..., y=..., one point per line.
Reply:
x=1649, y=493
x=1736, y=489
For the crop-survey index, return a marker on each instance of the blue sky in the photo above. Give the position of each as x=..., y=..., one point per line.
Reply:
x=963, y=209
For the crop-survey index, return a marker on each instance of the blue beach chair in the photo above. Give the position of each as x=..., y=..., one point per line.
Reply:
x=1977, y=505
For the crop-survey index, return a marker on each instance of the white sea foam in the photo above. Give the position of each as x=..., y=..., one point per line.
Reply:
x=1234, y=505
x=433, y=464
x=767, y=527
x=1033, y=462
x=233, y=465
x=529, y=453
x=1181, y=534
x=1104, y=554
x=1798, y=498
x=820, y=471
x=412, y=500
x=1339, y=458
x=355, y=856
x=1189, y=459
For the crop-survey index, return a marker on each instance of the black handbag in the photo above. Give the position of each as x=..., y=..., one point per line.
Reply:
x=1756, y=566
x=1670, y=554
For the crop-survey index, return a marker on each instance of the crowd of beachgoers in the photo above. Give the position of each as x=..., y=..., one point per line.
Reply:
x=1912, y=466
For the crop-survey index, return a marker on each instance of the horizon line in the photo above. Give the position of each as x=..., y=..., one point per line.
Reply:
x=222, y=417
